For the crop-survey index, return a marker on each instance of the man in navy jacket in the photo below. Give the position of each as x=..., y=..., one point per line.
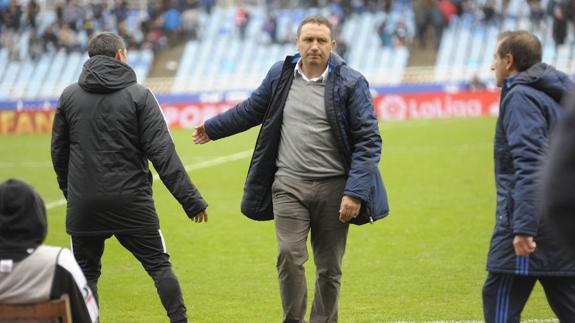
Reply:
x=523, y=250
x=315, y=164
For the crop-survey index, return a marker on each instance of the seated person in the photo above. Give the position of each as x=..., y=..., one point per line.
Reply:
x=31, y=272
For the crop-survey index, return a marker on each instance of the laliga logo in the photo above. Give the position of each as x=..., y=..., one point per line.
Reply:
x=395, y=107
x=392, y=107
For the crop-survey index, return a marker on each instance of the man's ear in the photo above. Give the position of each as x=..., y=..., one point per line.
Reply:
x=121, y=55
x=509, y=62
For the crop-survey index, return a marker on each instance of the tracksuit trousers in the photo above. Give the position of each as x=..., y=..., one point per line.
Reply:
x=505, y=295
x=149, y=248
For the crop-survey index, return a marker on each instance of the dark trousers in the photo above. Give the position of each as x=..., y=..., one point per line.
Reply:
x=149, y=248
x=300, y=207
x=505, y=295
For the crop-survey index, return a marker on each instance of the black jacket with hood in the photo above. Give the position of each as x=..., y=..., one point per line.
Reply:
x=558, y=184
x=106, y=128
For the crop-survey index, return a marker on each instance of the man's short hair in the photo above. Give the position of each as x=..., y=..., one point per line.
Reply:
x=523, y=46
x=105, y=43
x=316, y=20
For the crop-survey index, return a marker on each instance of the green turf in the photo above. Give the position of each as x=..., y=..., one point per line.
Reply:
x=424, y=262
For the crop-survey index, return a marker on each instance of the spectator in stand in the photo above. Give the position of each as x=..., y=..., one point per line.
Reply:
x=2, y=18
x=400, y=34
x=171, y=18
x=489, y=12
x=558, y=9
x=50, y=39
x=385, y=36
x=126, y=35
x=35, y=45
x=120, y=11
x=67, y=39
x=448, y=9
x=208, y=5
x=190, y=22
x=536, y=14
x=422, y=11
x=341, y=47
x=439, y=23
x=242, y=20
x=32, y=10
x=336, y=16
x=60, y=13
x=270, y=27
x=73, y=14
x=98, y=8
x=88, y=27
x=13, y=16
x=9, y=40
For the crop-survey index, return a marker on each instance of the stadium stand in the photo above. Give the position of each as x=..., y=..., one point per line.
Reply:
x=231, y=46
x=220, y=60
x=467, y=46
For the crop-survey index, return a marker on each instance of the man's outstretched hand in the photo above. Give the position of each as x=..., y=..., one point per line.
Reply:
x=200, y=136
x=201, y=217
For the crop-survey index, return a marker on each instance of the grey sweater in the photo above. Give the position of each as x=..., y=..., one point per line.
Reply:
x=308, y=148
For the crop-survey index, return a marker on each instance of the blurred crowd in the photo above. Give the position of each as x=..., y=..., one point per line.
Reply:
x=28, y=31
x=433, y=16
x=71, y=24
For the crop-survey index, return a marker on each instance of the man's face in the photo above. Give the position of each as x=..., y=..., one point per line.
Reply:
x=501, y=67
x=314, y=43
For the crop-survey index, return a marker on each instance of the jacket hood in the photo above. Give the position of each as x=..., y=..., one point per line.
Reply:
x=545, y=78
x=103, y=74
x=335, y=60
x=23, y=225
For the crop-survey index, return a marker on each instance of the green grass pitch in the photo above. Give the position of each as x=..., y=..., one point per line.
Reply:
x=425, y=262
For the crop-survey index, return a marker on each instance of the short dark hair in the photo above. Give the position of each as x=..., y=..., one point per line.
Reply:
x=523, y=46
x=105, y=43
x=316, y=20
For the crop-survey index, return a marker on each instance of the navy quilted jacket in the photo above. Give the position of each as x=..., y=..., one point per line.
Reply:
x=350, y=111
x=529, y=110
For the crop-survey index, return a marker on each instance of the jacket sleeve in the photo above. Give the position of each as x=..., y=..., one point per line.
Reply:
x=365, y=140
x=246, y=114
x=159, y=148
x=527, y=135
x=60, y=147
x=69, y=280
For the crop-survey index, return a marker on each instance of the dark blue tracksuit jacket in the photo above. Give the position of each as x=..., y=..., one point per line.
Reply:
x=350, y=111
x=529, y=110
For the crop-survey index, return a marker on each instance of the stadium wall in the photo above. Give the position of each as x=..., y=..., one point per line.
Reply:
x=186, y=111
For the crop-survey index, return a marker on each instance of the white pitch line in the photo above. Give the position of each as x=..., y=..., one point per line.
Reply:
x=25, y=164
x=188, y=168
x=472, y=321
x=54, y=204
